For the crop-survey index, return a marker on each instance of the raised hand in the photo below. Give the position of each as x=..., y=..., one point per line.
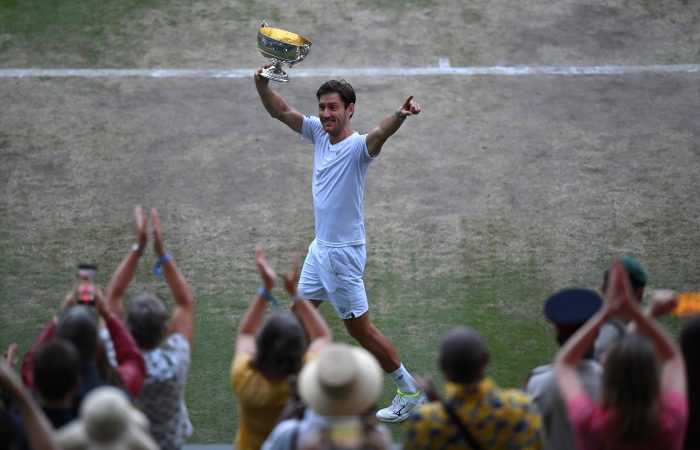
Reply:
x=268, y=275
x=260, y=81
x=410, y=107
x=70, y=298
x=291, y=278
x=663, y=301
x=101, y=304
x=11, y=355
x=619, y=299
x=141, y=227
x=158, y=245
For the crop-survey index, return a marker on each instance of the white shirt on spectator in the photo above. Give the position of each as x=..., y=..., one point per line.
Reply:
x=163, y=395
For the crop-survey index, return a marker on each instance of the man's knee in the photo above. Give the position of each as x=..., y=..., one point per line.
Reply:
x=361, y=328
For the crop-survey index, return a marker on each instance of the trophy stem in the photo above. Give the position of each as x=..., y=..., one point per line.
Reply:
x=275, y=73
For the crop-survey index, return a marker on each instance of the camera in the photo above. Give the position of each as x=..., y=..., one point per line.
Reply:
x=86, y=284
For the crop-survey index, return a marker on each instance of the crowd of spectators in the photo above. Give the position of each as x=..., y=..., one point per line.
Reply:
x=109, y=374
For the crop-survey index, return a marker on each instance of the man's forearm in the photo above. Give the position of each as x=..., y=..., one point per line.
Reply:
x=387, y=127
x=272, y=101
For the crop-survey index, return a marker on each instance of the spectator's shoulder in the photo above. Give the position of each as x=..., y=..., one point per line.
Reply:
x=177, y=341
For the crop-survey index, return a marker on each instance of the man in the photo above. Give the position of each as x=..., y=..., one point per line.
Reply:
x=661, y=303
x=166, y=348
x=336, y=258
x=568, y=310
x=475, y=412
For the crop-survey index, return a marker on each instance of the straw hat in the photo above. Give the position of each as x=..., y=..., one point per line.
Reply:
x=107, y=422
x=344, y=380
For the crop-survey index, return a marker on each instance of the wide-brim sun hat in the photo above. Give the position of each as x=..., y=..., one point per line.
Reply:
x=344, y=380
x=107, y=421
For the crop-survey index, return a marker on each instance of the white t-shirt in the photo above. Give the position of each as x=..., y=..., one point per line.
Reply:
x=163, y=394
x=338, y=185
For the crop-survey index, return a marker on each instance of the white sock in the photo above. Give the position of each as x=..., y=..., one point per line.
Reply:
x=404, y=381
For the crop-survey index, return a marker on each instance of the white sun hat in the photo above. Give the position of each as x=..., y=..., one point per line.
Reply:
x=344, y=380
x=107, y=422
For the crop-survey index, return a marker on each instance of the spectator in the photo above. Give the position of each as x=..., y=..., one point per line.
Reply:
x=78, y=324
x=57, y=378
x=268, y=353
x=166, y=348
x=690, y=343
x=39, y=431
x=642, y=407
x=615, y=328
x=568, y=310
x=475, y=413
x=340, y=387
x=107, y=421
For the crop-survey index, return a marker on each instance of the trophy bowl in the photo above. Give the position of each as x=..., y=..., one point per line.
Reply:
x=280, y=47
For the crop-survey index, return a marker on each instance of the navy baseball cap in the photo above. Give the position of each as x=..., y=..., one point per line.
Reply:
x=570, y=308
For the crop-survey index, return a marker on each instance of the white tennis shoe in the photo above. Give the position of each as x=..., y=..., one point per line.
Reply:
x=401, y=407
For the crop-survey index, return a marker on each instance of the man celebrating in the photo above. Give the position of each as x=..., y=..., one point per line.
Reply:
x=336, y=259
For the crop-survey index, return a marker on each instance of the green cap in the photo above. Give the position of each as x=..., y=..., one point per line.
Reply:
x=635, y=269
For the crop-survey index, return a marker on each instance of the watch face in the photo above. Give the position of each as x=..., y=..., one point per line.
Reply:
x=136, y=248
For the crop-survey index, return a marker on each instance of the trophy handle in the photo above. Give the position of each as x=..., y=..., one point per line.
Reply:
x=303, y=51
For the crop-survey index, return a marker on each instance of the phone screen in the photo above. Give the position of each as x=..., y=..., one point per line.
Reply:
x=86, y=287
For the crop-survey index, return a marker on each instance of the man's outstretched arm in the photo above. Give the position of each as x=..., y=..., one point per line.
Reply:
x=275, y=104
x=391, y=123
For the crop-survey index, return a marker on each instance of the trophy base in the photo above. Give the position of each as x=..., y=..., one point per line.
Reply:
x=275, y=74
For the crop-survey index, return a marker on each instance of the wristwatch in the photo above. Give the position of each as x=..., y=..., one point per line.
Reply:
x=137, y=249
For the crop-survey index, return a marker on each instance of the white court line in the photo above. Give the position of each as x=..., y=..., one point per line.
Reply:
x=443, y=69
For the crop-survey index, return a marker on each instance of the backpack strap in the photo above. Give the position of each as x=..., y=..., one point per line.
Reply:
x=460, y=425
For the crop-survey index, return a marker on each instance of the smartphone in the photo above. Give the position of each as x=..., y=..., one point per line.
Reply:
x=86, y=284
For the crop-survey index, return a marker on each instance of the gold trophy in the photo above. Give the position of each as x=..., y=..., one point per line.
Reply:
x=280, y=47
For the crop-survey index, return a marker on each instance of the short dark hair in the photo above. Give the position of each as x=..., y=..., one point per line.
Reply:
x=78, y=325
x=147, y=319
x=56, y=369
x=280, y=344
x=463, y=355
x=342, y=87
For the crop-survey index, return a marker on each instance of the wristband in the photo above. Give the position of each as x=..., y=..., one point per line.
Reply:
x=297, y=298
x=157, y=269
x=398, y=114
x=266, y=295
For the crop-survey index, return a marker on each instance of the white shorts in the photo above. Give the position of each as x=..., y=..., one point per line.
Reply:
x=335, y=274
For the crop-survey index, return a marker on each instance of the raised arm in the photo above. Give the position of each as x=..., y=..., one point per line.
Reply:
x=571, y=353
x=253, y=317
x=130, y=363
x=568, y=357
x=673, y=374
x=319, y=333
x=391, y=123
x=125, y=271
x=183, y=316
x=275, y=104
